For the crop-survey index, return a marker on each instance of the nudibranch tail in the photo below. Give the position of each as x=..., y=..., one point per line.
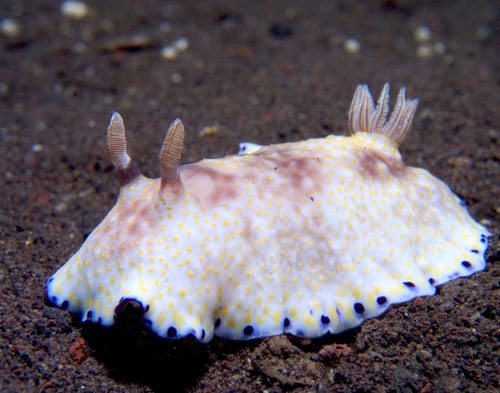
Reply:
x=116, y=147
x=364, y=116
x=171, y=151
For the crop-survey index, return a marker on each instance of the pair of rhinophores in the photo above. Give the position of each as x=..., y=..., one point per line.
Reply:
x=302, y=238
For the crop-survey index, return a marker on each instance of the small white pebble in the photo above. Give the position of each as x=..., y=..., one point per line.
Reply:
x=9, y=27
x=61, y=207
x=181, y=44
x=352, y=45
x=439, y=47
x=176, y=78
x=80, y=47
x=422, y=34
x=41, y=125
x=4, y=88
x=291, y=13
x=486, y=222
x=424, y=50
x=493, y=133
x=82, y=194
x=165, y=27
x=36, y=147
x=483, y=32
x=74, y=9
x=169, y=52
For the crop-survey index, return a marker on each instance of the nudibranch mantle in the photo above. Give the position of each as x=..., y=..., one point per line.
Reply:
x=303, y=238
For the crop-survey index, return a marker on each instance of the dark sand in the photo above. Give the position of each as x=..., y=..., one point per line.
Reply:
x=61, y=78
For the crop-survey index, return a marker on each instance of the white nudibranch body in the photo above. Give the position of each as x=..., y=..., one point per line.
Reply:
x=303, y=238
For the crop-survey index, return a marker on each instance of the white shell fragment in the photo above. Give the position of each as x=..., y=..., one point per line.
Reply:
x=181, y=44
x=352, y=45
x=171, y=51
x=74, y=9
x=304, y=238
x=422, y=34
x=9, y=27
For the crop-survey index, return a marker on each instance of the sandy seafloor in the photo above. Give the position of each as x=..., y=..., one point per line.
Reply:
x=267, y=72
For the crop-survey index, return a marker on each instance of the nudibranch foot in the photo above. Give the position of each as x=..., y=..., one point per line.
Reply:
x=304, y=238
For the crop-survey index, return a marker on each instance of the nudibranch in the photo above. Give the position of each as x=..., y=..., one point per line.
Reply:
x=304, y=238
